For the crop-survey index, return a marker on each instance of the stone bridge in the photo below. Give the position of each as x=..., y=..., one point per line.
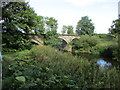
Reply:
x=67, y=39
x=39, y=40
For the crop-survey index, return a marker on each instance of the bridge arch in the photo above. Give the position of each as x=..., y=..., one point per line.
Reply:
x=75, y=39
x=68, y=39
x=64, y=43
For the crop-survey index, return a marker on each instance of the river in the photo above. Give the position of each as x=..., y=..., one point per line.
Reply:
x=102, y=61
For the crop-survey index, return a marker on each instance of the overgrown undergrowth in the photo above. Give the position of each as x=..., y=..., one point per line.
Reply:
x=103, y=44
x=46, y=67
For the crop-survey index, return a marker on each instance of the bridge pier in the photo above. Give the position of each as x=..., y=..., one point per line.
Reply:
x=68, y=39
x=68, y=48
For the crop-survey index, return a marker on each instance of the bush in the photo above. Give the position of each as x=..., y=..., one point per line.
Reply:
x=54, y=42
x=47, y=67
x=116, y=54
x=18, y=41
x=106, y=36
x=85, y=44
x=7, y=50
x=104, y=46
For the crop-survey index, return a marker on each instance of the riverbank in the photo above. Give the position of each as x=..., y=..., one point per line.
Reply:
x=104, y=45
x=46, y=67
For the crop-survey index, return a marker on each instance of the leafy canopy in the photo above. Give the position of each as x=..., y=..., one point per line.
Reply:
x=67, y=29
x=85, y=26
x=51, y=33
x=19, y=20
x=115, y=27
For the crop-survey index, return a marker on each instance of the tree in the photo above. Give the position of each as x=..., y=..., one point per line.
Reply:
x=70, y=30
x=51, y=33
x=115, y=27
x=67, y=29
x=64, y=29
x=39, y=28
x=50, y=27
x=50, y=24
x=85, y=26
x=19, y=20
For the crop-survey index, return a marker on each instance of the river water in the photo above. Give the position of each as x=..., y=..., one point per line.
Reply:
x=102, y=61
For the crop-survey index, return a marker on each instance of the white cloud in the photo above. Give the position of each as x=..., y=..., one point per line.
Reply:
x=84, y=2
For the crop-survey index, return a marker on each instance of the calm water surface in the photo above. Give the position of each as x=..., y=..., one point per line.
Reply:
x=102, y=61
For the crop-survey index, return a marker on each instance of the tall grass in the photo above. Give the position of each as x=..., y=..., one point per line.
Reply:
x=84, y=72
x=46, y=67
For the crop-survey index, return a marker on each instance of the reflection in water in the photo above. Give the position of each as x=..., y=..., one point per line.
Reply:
x=103, y=63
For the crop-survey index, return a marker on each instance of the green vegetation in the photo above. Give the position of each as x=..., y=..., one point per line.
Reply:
x=115, y=27
x=85, y=26
x=34, y=67
x=19, y=20
x=67, y=29
x=115, y=30
x=85, y=43
x=46, y=67
x=104, y=45
x=54, y=42
x=51, y=33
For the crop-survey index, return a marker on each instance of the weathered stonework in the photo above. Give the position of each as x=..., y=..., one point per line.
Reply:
x=68, y=39
x=37, y=40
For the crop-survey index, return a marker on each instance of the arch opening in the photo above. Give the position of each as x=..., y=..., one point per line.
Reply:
x=64, y=43
x=75, y=39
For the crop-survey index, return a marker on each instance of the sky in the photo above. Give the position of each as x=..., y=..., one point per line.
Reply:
x=69, y=12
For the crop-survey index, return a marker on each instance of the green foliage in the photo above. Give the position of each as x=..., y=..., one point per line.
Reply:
x=39, y=28
x=115, y=28
x=116, y=53
x=18, y=21
x=50, y=68
x=7, y=60
x=108, y=46
x=106, y=36
x=85, y=26
x=102, y=44
x=6, y=50
x=50, y=24
x=54, y=42
x=64, y=29
x=70, y=30
x=67, y=29
x=21, y=79
x=85, y=44
x=104, y=49
x=51, y=33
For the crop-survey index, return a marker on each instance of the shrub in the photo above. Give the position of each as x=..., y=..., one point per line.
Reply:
x=54, y=42
x=105, y=45
x=47, y=67
x=85, y=44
